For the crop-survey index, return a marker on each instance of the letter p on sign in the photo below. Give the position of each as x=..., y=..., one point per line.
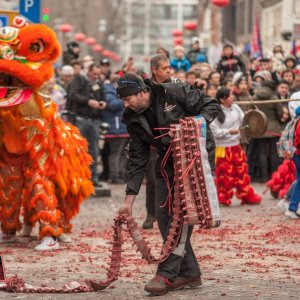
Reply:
x=30, y=9
x=28, y=4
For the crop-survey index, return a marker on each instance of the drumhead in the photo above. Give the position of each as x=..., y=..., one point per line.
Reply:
x=255, y=123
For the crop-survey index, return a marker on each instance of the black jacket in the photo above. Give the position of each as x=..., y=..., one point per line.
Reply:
x=69, y=57
x=80, y=90
x=230, y=64
x=170, y=102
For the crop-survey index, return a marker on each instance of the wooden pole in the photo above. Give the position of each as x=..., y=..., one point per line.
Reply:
x=254, y=102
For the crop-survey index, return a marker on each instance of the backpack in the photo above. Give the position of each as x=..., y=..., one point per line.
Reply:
x=285, y=146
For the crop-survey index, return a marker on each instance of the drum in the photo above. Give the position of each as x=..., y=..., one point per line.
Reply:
x=255, y=123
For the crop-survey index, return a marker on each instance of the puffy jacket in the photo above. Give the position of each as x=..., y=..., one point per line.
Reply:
x=182, y=64
x=113, y=112
x=194, y=56
x=170, y=102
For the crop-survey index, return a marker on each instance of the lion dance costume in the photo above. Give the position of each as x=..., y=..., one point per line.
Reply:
x=44, y=165
x=232, y=172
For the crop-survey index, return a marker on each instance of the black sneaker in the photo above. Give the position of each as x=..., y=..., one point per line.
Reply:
x=97, y=184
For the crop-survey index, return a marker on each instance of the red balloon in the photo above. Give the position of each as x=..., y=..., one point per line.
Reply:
x=97, y=48
x=190, y=25
x=220, y=3
x=65, y=28
x=177, y=32
x=90, y=41
x=79, y=37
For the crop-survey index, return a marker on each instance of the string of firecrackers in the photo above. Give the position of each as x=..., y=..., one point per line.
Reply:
x=180, y=217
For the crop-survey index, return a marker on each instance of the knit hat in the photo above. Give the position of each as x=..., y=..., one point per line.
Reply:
x=129, y=85
x=178, y=47
x=67, y=70
x=195, y=39
x=259, y=74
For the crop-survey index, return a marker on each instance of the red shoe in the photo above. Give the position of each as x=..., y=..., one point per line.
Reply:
x=182, y=283
x=159, y=285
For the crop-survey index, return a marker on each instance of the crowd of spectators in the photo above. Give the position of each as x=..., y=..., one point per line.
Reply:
x=85, y=88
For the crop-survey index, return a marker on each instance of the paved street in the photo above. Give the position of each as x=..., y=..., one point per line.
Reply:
x=255, y=254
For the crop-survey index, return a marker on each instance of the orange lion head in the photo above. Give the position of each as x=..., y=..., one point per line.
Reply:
x=26, y=56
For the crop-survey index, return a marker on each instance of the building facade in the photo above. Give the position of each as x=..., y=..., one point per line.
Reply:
x=149, y=24
x=280, y=22
x=238, y=20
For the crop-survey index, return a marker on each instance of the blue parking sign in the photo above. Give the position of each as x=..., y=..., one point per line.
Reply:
x=31, y=10
x=3, y=20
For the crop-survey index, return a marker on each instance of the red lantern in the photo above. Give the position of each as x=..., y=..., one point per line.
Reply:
x=97, y=48
x=90, y=41
x=117, y=58
x=79, y=37
x=178, y=40
x=190, y=25
x=106, y=53
x=65, y=28
x=220, y=3
x=177, y=32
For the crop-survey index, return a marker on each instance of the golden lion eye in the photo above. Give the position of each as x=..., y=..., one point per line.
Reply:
x=37, y=47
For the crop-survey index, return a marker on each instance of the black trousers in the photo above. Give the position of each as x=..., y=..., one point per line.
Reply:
x=117, y=157
x=150, y=185
x=182, y=262
x=268, y=157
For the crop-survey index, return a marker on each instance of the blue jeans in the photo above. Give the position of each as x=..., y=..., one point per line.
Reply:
x=296, y=192
x=90, y=130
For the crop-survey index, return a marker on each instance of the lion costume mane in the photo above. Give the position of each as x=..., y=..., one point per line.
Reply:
x=44, y=164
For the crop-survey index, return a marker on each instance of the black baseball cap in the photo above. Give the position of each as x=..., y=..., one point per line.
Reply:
x=104, y=61
x=129, y=85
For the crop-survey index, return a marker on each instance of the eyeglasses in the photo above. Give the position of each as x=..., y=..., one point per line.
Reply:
x=124, y=83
